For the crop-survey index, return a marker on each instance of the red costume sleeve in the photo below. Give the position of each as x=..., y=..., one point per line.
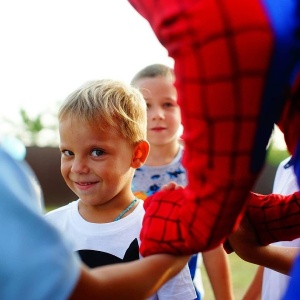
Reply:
x=274, y=217
x=223, y=51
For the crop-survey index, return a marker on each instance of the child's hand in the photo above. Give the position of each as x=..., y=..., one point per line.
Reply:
x=244, y=241
x=171, y=186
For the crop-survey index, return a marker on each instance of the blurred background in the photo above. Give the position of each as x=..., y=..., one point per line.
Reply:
x=48, y=49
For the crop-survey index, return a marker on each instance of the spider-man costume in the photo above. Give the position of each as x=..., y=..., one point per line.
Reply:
x=235, y=64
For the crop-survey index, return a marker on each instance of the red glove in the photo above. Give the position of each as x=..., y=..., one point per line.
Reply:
x=162, y=230
x=274, y=217
x=179, y=222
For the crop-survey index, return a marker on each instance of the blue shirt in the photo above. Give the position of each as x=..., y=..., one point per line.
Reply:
x=35, y=262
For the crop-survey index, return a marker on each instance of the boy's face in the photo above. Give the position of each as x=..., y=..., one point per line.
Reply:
x=163, y=112
x=96, y=165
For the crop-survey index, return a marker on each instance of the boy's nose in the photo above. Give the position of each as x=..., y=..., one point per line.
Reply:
x=157, y=113
x=79, y=166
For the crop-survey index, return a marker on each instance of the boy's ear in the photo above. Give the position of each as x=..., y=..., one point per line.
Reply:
x=140, y=154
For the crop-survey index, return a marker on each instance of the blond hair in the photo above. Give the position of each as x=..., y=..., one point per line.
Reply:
x=153, y=71
x=108, y=103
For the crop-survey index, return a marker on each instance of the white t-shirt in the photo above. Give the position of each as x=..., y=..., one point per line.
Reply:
x=285, y=183
x=108, y=243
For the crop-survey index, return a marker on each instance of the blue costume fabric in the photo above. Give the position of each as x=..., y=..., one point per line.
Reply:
x=293, y=290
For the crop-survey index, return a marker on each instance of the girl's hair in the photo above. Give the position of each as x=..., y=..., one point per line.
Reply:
x=152, y=71
x=108, y=103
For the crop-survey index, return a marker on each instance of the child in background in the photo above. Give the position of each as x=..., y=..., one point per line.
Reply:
x=102, y=128
x=163, y=165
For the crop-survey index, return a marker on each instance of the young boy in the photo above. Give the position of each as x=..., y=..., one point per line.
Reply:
x=51, y=270
x=164, y=164
x=102, y=128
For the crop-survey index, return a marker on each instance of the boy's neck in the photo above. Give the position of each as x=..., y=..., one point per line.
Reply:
x=106, y=213
x=162, y=154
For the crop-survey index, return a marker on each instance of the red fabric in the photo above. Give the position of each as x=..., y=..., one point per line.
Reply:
x=265, y=214
x=222, y=51
x=276, y=217
x=273, y=218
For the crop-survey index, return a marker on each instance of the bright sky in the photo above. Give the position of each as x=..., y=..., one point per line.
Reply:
x=49, y=48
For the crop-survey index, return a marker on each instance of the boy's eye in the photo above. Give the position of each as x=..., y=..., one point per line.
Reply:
x=97, y=152
x=67, y=153
x=168, y=104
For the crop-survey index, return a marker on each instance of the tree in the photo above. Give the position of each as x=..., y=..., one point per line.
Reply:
x=39, y=130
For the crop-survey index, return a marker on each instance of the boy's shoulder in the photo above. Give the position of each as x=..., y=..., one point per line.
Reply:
x=61, y=210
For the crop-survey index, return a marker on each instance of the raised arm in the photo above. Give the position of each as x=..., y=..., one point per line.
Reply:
x=229, y=102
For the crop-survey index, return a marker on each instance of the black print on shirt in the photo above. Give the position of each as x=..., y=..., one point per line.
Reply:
x=94, y=258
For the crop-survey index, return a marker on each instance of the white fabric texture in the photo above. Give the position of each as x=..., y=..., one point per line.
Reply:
x=285, y=183
x=114, y=241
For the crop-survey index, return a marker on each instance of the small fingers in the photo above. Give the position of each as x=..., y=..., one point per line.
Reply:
x=171, y=186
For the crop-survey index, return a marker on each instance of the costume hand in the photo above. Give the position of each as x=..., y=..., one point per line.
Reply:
x=162, y=230
x=274, y=217
x=178, y=222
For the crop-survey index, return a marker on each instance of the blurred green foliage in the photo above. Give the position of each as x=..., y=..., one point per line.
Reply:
x=37, y=130
x=276, y=155
x=32, y=125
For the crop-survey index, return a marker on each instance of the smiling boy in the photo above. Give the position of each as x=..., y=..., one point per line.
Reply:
x=102, y=128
